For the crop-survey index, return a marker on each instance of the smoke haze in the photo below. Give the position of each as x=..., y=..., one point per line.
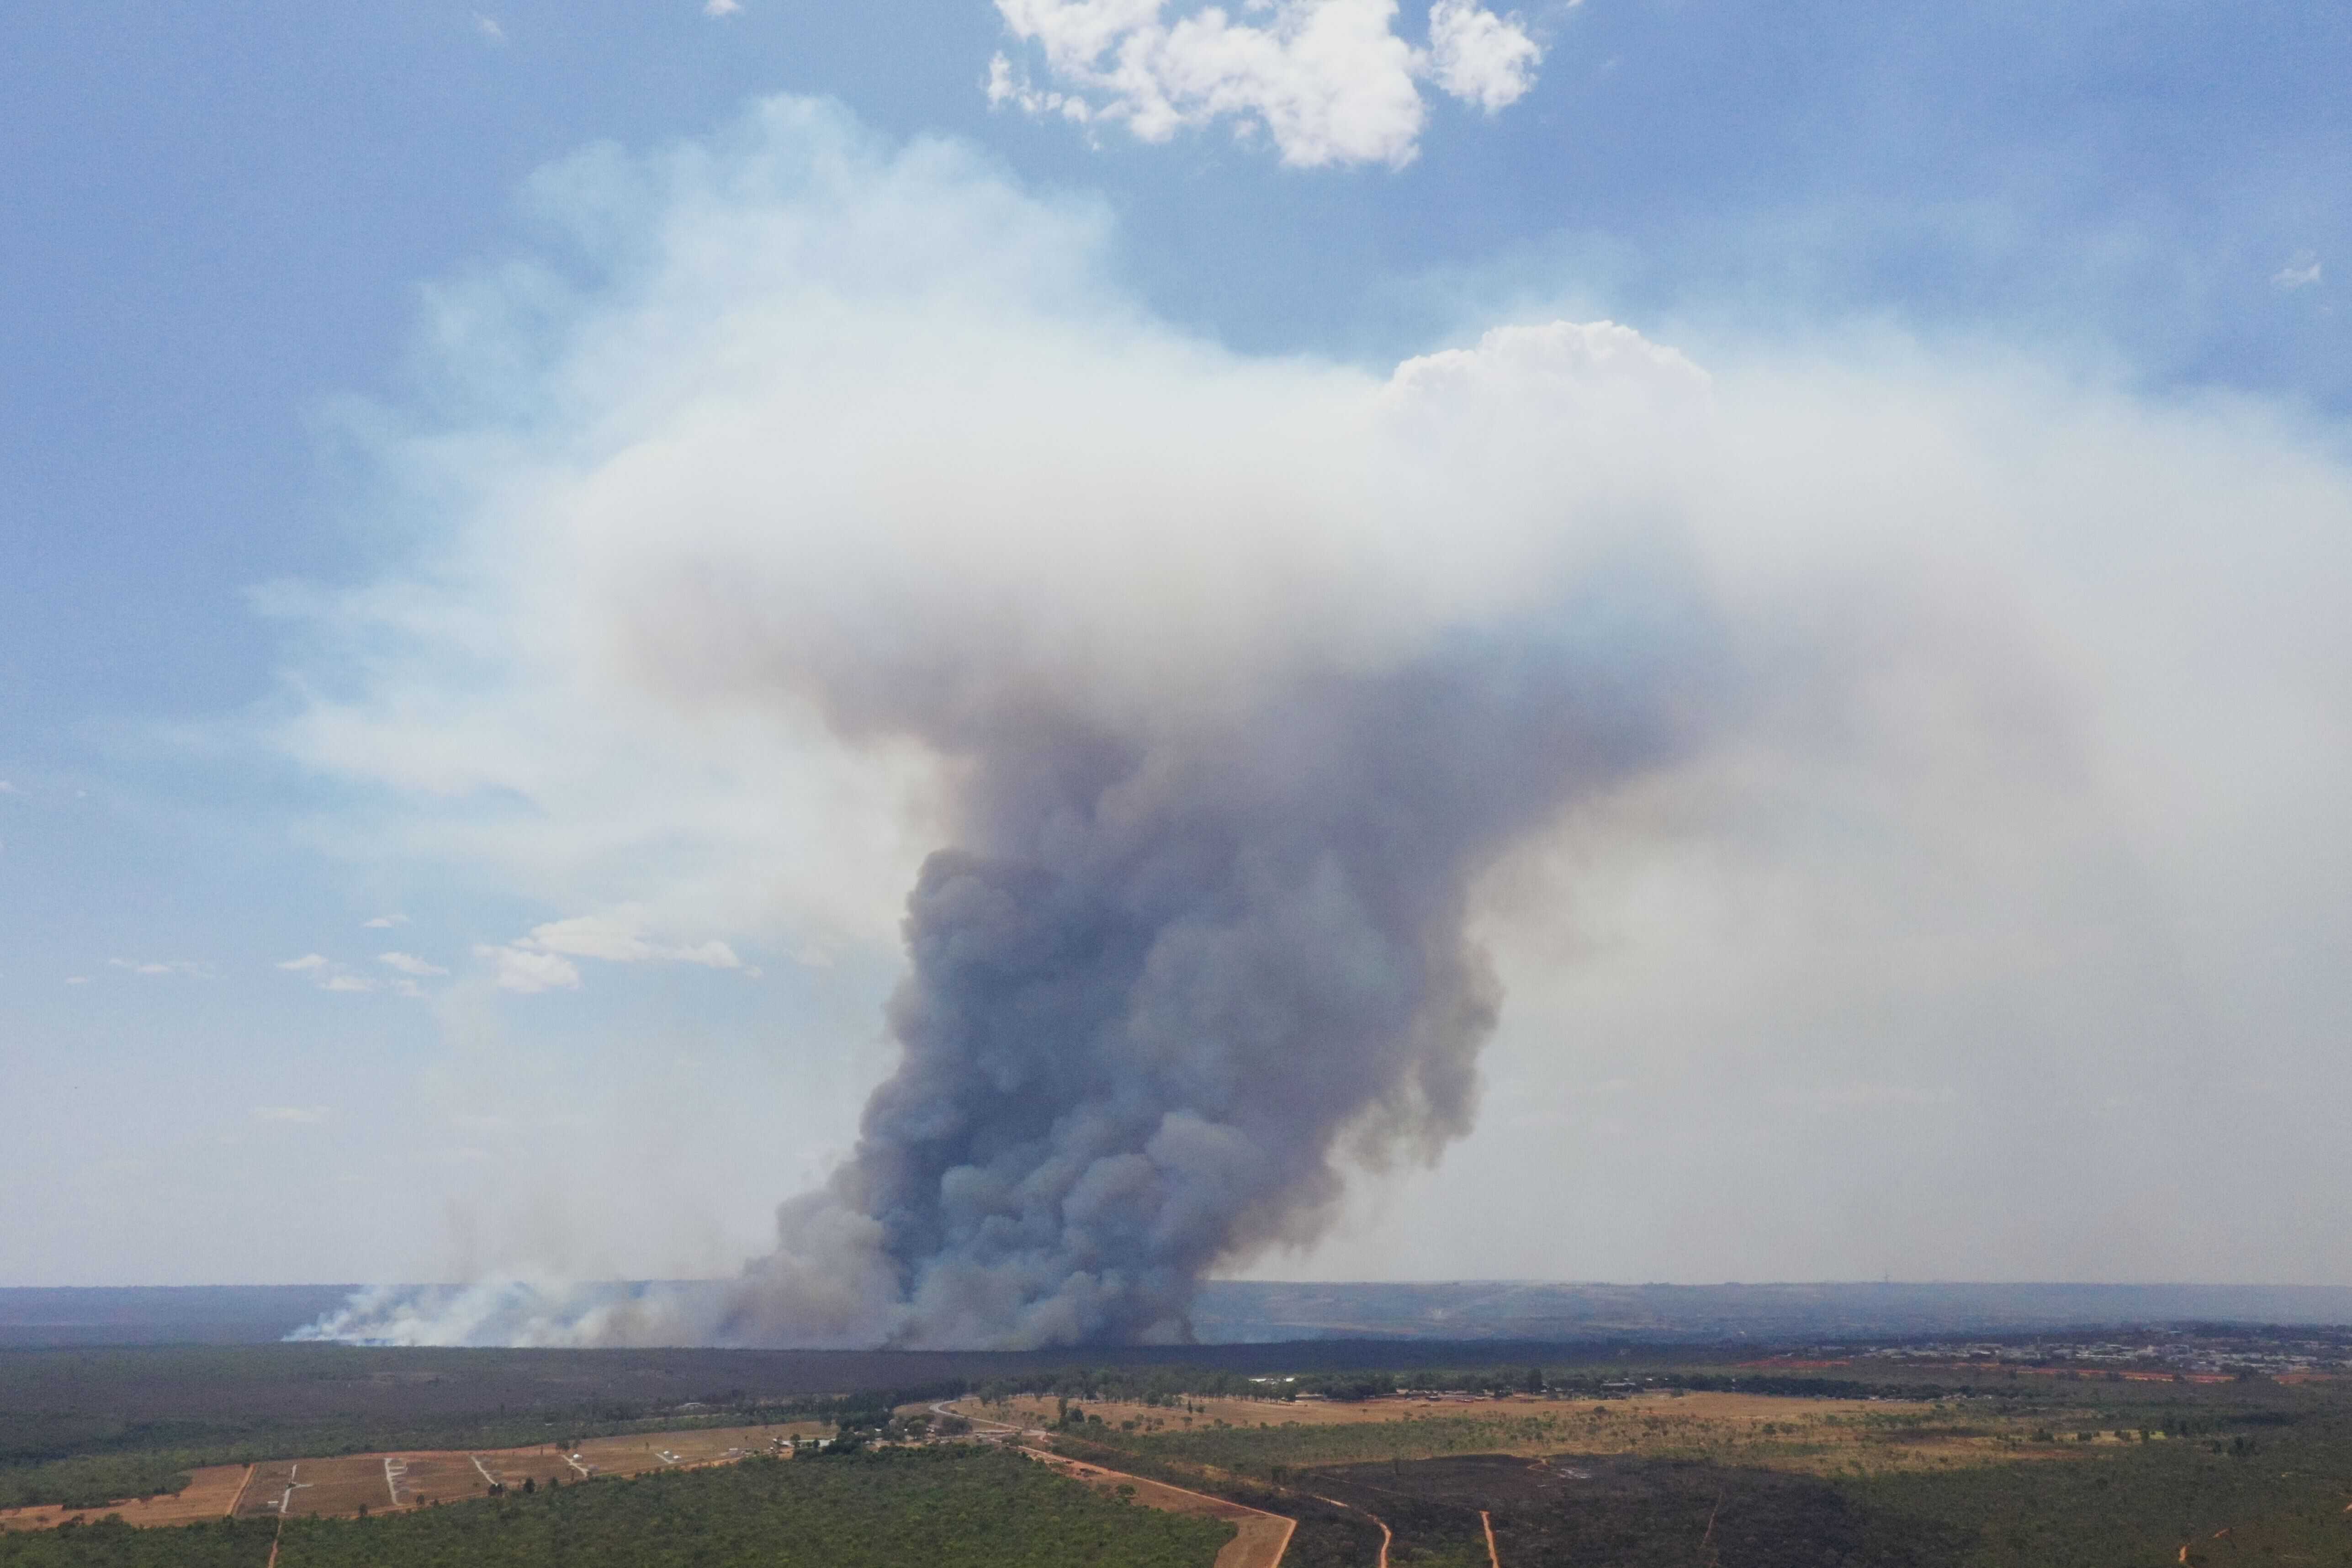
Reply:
x=823, y=522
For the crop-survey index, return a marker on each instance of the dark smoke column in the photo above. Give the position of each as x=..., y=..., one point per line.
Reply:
x=1170, y=978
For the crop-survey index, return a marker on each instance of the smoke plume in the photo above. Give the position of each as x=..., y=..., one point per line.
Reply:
x=1165, y=977
x=816, y=518
x=1230, y=676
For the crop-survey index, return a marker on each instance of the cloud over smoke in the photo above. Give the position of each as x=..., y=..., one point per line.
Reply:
x=1329, y=81
x=848, y=531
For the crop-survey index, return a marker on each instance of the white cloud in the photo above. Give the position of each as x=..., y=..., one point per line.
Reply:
x=542, y=960
x=488, y=27
x=77, y=979
x=2302, y=271
x=170, y=966
x=716, y=8
x=384, y=922
x=302, y=1115
x=527, y=972
x=1480, y=58
x=619, y=939
x=7, y=788
x=1329, y=81
x=328, y=975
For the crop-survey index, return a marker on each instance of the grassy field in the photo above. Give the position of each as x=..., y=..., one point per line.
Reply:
x=1816, y=1436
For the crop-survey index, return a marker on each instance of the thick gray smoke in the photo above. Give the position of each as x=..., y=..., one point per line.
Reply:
x=1230, y=677
x=844, y=512
x=1166, y=979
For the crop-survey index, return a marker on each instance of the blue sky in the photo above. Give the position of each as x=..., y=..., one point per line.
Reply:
x=228, y=234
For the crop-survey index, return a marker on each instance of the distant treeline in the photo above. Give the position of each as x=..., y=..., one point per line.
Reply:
x=1173, y=1385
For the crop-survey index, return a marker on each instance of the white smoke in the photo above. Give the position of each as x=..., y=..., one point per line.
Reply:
x=846, y=509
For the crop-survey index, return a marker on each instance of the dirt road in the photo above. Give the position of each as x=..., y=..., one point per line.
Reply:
x=1259, y=1538
x=1386, y=1534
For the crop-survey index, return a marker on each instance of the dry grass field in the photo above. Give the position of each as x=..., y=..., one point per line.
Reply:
x=381, y=1482
x=210, y=1493
x=1810, y=1436
x=348, y=1484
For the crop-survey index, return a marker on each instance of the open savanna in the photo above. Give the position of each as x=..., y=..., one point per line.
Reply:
x=1812, y=1436
x=342, y=1486
x=948, y=1505
x=212, y=1492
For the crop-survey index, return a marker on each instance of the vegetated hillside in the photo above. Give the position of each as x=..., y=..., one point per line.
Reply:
x=943, y=1508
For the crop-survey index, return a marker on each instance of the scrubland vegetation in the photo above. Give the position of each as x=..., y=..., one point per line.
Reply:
x=2081, y=1474
x=964, y=1506
x=1637, y=1464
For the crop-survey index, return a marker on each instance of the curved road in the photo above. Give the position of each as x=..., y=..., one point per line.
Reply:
x=1248, y=1549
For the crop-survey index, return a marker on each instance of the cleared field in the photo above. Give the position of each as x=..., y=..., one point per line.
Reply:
x=211, y=1493
x=1259, y=1537
x=349, y=1484
x=340, y=1488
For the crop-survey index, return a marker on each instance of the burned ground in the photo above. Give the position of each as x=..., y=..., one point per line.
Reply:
x=1633, y=1513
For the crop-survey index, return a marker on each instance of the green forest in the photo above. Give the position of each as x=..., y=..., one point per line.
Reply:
x=961, y=1507
x=85, y=1427
x=2072, y=1470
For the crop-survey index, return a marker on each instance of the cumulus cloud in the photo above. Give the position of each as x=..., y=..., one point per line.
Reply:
x=1905, y=722
x=308, y=963
x=1480, y=58
x=1328, y=81
x=720, y=8
x=490, y=28
x=384, y=922
x=410, y=964
x=522, y=970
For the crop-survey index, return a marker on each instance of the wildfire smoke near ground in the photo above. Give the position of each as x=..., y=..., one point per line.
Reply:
x=1154, y=783
x=1198, y=695
x=1170, y=978
x=1199, y=936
